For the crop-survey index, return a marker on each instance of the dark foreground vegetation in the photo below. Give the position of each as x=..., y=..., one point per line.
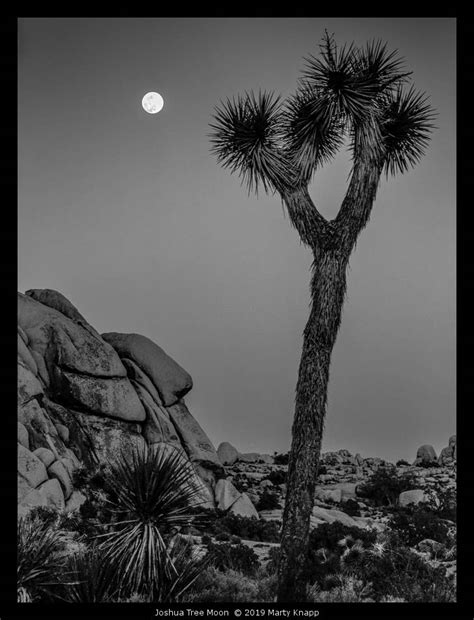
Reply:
x=141, y=536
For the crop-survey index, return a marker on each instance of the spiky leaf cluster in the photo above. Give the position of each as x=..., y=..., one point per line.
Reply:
x=247, y=138
x=347, y=91
x=154, y=492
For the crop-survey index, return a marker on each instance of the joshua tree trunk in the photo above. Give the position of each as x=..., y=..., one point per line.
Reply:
x=327, y=290
x=332, y=243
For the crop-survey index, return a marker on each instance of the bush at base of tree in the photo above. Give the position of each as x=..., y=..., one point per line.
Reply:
x=327, y=544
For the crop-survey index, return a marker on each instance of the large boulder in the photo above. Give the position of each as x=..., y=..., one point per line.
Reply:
x=447, y=455
x=29, y=387
x=25, y=355
x=30, y=467
x=348, y=490
x=225, y=494
x=52, y=492
x=97, y=439
x=79, y=404
x=64, y=343
x=158, y=426
x=425, y=455
x=83, y=370
x=244, y=507
x=53, y=299
x=194, y=440
x=329, y=516
x=171, y=381
x=138, y=376
x=249, y=457
x=112, y=396
x=328, y=495
x=23, y=436
x=414, y=496
x=227, y=453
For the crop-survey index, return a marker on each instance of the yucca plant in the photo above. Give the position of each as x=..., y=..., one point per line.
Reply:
x=40, y=559
x=152, y=493
x=347, y=95
x=90, y=578
x=189, y=563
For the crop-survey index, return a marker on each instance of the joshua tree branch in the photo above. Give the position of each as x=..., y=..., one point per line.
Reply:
x=357, y=205
x=313, y=228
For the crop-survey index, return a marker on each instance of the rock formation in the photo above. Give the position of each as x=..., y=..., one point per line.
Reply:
x=83, y=398
x=228, y=455
x=447, y=456
x=425, y=455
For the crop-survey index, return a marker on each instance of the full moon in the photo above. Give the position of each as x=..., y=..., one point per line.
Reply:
x=152, y=103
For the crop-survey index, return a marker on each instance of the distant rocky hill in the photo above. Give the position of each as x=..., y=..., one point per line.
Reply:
x=83, y=397
x=258, y=476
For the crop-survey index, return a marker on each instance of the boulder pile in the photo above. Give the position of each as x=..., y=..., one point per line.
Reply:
x=84, y=397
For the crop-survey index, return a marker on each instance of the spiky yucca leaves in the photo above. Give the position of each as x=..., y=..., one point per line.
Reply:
x=406, y=124
x=345, y=91
x=313, y=136
x=247, y=138
x=40, y=559
x=91, y=578
x=189, y=563
x=153, y=493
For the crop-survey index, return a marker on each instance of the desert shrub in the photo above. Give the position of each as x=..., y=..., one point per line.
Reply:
x=235, y=540
x=401, y=573
x=47, y=515
x=41, y=556
x=402, y=463
x=248, y=528
x=222, y=537
x=327, y=545
x=239, y=558
x=447, y=503
x=412, y=524
x=385, y=485
x=347, y=589
x=206, y=539
x=350, y=507
x=215, y=586
x=268, y=501
x=281, y=459
x=240, y=483
x=277, y=476
x=273, y=559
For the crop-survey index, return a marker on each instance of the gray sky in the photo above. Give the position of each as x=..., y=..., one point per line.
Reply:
x=130, y=217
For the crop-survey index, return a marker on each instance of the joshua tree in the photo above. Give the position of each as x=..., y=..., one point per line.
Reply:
x=349, y=95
